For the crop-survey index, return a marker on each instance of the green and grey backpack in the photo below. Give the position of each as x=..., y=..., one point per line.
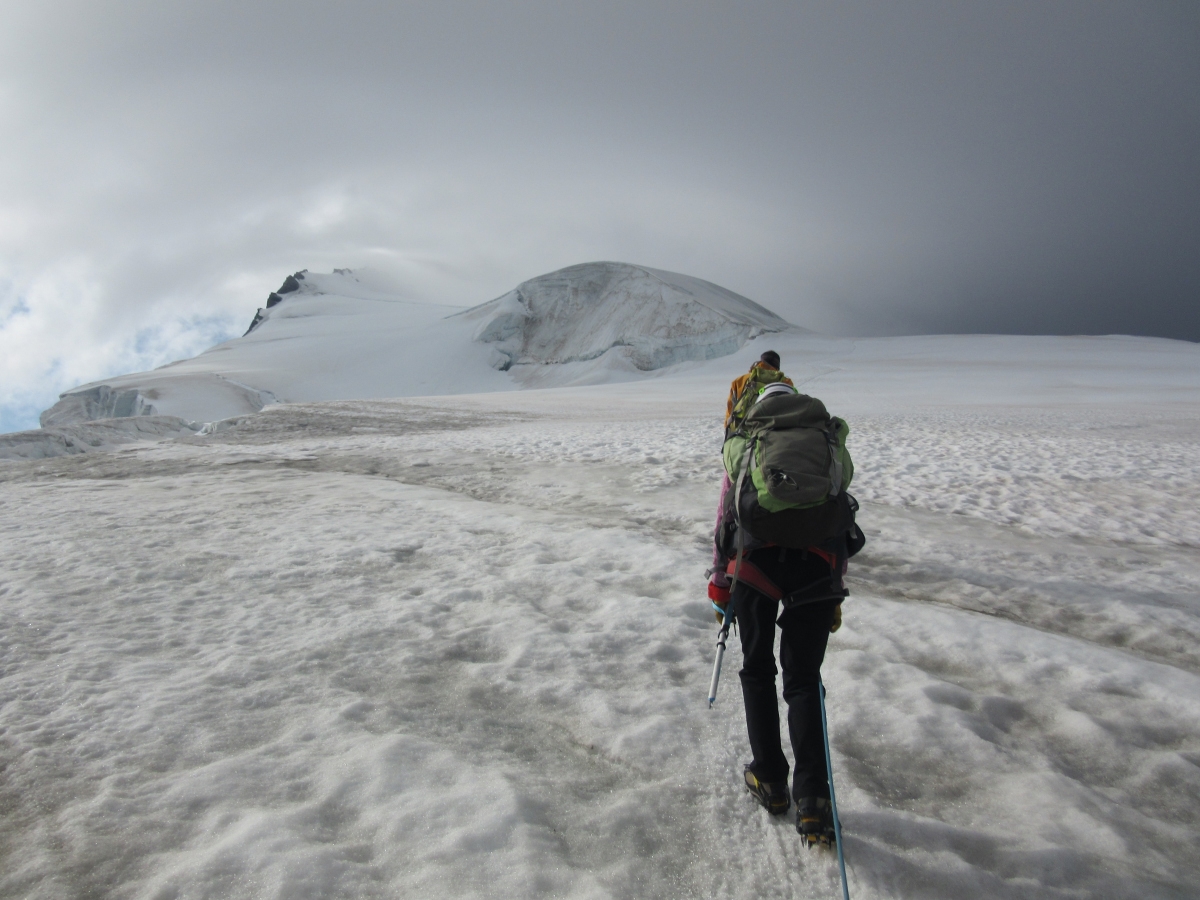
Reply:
x=789, y=467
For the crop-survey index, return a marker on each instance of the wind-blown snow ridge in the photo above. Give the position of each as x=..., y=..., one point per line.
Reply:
x=651, y=317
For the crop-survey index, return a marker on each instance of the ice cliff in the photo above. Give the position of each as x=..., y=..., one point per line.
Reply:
x=649, y=317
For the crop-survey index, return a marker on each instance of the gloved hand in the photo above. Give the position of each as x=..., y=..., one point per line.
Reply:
x=720, y=597
x=837, y=619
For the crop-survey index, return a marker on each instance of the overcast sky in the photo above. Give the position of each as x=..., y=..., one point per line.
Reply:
x=860, y=168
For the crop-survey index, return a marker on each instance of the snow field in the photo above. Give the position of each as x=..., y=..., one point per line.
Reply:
x=1009, y=762
x=1054, y=472
x=308, y=717
x=400, y=649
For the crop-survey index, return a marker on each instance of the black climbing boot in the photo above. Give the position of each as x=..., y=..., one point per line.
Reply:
x=773, y=795
x=814, y=821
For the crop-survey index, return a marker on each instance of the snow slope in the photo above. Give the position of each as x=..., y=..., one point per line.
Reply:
x=336, y=337
x=343, y=336
x=652, y=318
x=459, y=646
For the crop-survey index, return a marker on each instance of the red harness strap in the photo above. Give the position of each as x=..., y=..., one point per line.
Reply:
x=753, y=575
x=825, y=555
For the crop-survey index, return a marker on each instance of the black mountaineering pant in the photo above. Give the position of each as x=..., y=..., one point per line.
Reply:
x=804, y=632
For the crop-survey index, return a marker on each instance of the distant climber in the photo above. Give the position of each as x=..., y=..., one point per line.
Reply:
x=763, y=372
x=785, y=531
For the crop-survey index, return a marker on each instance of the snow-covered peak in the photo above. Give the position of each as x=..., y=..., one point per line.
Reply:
x=357, y=284
x=650, y=317
x=354, y=284
x=351, y=334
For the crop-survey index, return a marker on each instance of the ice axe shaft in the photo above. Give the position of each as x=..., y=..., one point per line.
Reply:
x=727, y=616
x=716, y=675
x=722, y=636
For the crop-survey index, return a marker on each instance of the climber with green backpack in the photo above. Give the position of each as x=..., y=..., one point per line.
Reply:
x=785, y=531
x=743, y=393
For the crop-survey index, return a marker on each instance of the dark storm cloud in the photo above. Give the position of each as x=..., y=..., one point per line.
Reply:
x=860, y=168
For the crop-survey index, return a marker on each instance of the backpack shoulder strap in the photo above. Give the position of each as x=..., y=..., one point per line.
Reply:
x=832, y=436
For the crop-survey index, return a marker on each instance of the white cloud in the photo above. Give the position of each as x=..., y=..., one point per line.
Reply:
x=58, y=330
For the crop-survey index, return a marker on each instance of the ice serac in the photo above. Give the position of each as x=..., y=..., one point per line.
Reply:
x=98, y=402
x=187, y=395
x=647, y=318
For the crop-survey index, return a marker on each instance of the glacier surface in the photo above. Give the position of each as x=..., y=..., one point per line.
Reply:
x=459, y=646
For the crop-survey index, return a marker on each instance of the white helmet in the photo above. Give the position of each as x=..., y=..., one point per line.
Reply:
x=777, y=387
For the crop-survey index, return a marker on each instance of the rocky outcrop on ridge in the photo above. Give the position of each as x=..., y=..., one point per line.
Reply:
x=290, y=284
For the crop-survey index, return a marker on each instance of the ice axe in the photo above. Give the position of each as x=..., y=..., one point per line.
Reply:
x=727, y=613
x=721, y=636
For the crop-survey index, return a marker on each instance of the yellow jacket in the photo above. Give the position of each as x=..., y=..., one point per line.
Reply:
x=740, y=382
